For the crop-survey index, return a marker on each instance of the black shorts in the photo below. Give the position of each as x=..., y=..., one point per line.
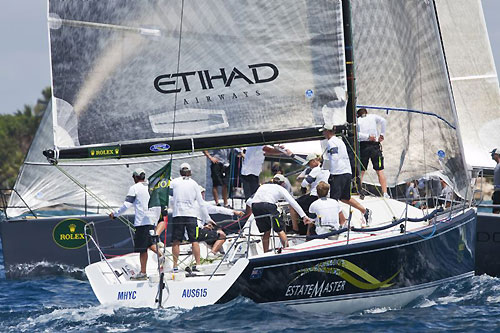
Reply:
x=142, y=238
x=340, y=186
x=264, y=223
x=371, y=151
x=250, y=185
x=220, y=174
x=496, y=201
x=181, y=224
x=305, y=202
x=206, y=235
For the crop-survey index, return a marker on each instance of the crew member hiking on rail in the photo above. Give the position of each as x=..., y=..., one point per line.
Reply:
x=263, y=205
x=144, y=221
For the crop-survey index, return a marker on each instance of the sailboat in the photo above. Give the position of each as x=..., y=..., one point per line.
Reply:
x=166, y=77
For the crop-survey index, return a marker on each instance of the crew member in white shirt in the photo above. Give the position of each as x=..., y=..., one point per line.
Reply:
x=312, y=179
x=340, y=172
x=371, y=132
x=328, y=213
x=145, y=219
x=264, y=203
x=187, y=202
x=253, y=158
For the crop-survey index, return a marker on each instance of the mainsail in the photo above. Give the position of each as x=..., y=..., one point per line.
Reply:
x=473, y=77
x=145, y=77
x=401, y=75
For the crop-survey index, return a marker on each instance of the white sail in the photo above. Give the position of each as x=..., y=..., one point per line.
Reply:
x=40, y=184
x=401, y=75
x=132, y=71
x=473, y=77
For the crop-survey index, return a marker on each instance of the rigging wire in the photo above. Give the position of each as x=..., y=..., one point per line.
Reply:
x=122, y=219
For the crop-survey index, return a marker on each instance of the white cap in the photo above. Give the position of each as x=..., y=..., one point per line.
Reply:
x=328, y=127
x=202, y=189
x=279, y=177
x=138, y=172
x=185, y=166
x=309, y=158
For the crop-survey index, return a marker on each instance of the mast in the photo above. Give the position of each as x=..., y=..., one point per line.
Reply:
x=352, y=135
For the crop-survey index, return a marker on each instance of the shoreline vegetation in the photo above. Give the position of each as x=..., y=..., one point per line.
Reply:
x=16, y=134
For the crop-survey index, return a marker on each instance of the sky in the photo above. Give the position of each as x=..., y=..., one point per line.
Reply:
x=24, y=50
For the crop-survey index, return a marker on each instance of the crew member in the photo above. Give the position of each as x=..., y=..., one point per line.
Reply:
x=275, y=169
x=220, y=172
x=263, y=205
x=312, y=179
x=208, y=231
x=144, y=221
x=371, y=131
x=187, y=201
x=327, y=211
x=495, y=155
x=340, y=172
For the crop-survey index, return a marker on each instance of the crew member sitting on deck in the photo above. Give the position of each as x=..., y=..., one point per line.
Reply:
x=369, y=143
x=208, y=231
x=263, y=205
x=340, y=172
x=312, y=179
x=328, y=213
x=144, y=221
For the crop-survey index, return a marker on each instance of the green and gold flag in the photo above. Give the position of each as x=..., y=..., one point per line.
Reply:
x=159, y=183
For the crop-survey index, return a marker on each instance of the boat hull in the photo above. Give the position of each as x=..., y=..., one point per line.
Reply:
x=384, y=273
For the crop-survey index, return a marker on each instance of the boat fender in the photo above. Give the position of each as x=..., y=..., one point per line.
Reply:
x=402, y=227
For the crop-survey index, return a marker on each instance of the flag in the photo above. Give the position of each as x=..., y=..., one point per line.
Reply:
x=159, y=183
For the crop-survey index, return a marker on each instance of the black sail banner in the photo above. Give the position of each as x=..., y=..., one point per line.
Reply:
x=164, y=75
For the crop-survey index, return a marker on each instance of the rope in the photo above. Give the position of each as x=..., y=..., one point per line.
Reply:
x=122, y=219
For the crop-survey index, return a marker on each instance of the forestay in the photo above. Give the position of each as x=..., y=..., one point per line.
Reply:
x=473, y=77
x=400, y=65
x=157, y=71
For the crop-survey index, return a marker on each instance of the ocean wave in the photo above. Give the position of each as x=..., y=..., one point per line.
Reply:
x=44, y=268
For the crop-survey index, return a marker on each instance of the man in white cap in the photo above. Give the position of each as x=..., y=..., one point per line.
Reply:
x=186, y=204
x=495, y=155
x=311, y=179
x=138, y=196
x=263, y=205
x=340, y=172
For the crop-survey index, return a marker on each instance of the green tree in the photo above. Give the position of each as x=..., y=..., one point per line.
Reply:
x=16, y=133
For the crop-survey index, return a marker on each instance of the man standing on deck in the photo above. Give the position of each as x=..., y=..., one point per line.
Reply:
x=340, y=172
x=370, y=138
x=220, y=172
x=138, y=196
x=495, y=155
x=187, y=201
x=263, y=205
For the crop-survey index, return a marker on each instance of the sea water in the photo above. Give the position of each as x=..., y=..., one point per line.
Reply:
x=65, y=302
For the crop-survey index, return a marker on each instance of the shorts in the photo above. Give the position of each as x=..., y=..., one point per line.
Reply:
x=496, y=201
x=250, y=185
x=371, y=151
x=142, y=238
x=206, y=235
x=340, y=186
x=182, y=223
x=305, y=202
x=264, y=223
x=220, y=174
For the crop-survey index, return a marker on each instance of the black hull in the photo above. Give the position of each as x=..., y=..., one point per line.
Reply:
x=488, y=244
x=388, y=266
x=27, y=242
